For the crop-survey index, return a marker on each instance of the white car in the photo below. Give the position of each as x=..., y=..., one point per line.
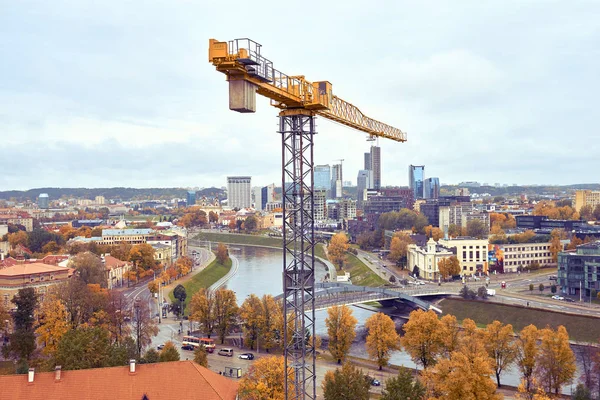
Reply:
x=557, y=297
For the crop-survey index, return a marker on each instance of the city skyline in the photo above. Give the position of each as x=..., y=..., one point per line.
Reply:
x=154, y=107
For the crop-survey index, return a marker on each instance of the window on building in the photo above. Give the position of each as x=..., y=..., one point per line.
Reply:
x=464, y=254
x=470, y=255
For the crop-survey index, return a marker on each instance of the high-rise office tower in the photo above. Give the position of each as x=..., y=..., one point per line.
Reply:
x=373, y=163
x=322, y=177
x=431, y=188
x=336, y=181
x=239, y=193
x=364, y=181
x=190, y=198
x=43, y=200
x=416, y=176
x=368, y=161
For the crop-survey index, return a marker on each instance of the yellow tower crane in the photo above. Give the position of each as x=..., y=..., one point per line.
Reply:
x=300, y=101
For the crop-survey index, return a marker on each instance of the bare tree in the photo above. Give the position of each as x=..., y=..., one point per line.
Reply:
x=144, y=327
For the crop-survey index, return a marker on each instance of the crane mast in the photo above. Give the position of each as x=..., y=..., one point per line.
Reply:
x=300, y=101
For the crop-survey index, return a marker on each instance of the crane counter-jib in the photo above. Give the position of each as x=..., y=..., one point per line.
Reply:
x=249, y=73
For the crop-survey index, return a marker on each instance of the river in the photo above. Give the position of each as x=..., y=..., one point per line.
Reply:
x=260, y=272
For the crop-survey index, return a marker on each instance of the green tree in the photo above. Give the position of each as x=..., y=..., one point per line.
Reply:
x=200, y=356
x=84, y=348
x=477, y=229
x=541, y=287
x=482, y=292
x=251, y=223
x=347, y=382
x=151, y=356
x=180, y=294
x=403, y=387
x=531, y=287
x=581, y=393
x=169, y=353
x=90, y=268
x=22, y=340
x=341, y=326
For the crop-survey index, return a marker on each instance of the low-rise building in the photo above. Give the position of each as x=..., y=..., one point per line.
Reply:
x=471, y=253
x=115, y=270
x=580, y=269
x=36, y=275
x=426, y=258
x=130, y=236
x=17, y=219
x=519, y=256
x=162, y=253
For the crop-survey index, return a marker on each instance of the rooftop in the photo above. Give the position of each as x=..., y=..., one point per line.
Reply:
x=125, y=232
x=28, y=269
x=181, y=380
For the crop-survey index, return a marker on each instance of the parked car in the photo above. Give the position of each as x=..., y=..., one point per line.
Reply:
x=557, y=297
x=160, y=346
x=375, y=382
x=226, y=352
x=188, y=347
x=247, y=356
x=570, y=300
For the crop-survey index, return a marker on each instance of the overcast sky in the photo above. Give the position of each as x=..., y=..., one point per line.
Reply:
x=120, y=93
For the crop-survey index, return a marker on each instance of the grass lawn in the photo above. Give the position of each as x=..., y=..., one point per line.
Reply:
x=235, y=238
x=319, y=251
x=581, y=328
x=204, y=279
x=360, y=274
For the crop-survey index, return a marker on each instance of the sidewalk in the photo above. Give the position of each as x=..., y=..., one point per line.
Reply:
x=169, y=288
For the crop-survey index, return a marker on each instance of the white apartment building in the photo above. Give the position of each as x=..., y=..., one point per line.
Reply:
x=239, y=193
x=471, y=253
x=426, y=258
x=320, y=199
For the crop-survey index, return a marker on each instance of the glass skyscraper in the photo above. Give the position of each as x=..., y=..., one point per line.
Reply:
x=416, y=178
x=432, y=188
x=322, y=177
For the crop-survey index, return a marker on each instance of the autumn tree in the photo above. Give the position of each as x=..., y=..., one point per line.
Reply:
x=434, y=232
x=556, y=361
x=423, y=338
x=527, y=355
x=90, y=268
x=252, y=316
x=555, y=244
x=17, y=238
x=4, y=318
x=265, y=380
x=118, y=314
x=341, y=326
x=222, y=254
x=501, y=347
x=142, y=256
x=382, y=338
x=250, y=223
x=144, y=327
x=168, y=353
x=226, y=311
x=53, y=324
x=448, y=266
x=338, y=246
x=213, y=217
x=454, y=230
x=347, y=382
x=200, y=356
x=202, y=310
x=450, y=334
x=271, y=326
x=399, y=247
x=403, y=387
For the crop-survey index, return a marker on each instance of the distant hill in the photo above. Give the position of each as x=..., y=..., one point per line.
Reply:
x=528, y=190
x=122, y=193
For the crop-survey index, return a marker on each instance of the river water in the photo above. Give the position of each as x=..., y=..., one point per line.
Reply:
x=260, y=272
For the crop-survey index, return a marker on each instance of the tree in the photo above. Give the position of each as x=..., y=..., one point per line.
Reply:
x=90, y=268
x=213, y=217
x=448, y=266
x=265, y=380
x=415, y=271
x=403, y=387
x=454, y=230
x=226, y=311
x=118, y=314
x=482, y=292
x=151, y=356
x=22, y=340
x=53, y=324
x=347, y=382
x=202, y=310
x=434, y=232
x=222, y=254
x=500, y=346
x=555, y=244
x=450, y=334
x=382, y=338
x=252, y=316
x=169, y=353
x=531, y=287
x=467, y=293
x=556, y=361
x=338, y=246
x=251, y=223
x=423, y=338
x=144, y=327
x=183, y=265
x=581, y=393
x=4, y=318
x=180, y=294
x=553, y=288
x=83, y=348
x=420, y=223
x=341, y=326
x=200, y=356
x=142, y=256
x=399, y=247
x=17, y=238
x=271, y=322
x=527, y=354
x=477, y=229
x=541, y=287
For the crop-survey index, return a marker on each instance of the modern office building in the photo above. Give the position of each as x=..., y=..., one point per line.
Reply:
x=431, y=188
x=368, y=161
x=320, y=199
x=416, y=177
x=239, y=192
x=322, y=177
x=373, y=164
x=44, y=201
x=336, y=181
x=580, y=269
x=364, y=182
x=190, y=198
x=586, y=198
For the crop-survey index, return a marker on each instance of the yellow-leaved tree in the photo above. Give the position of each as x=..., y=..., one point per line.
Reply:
x=338, y=246
x=340, y=328
x=527, y=351
x=252, y=317
x=556, y=361
x=500, y=344
x=448, y=266
x=222, y=254
x=53, y=324
x=202, y=310
x=423, y=337
x=382, y=338
x=399, y=248
x=265, y=380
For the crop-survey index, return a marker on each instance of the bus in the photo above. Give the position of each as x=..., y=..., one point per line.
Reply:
x=208, y=344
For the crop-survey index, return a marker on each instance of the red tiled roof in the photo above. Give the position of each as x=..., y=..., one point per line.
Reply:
x=28, y=269
x=112, y=262
x=54, y=259
x=8, y=262
x=179, y=380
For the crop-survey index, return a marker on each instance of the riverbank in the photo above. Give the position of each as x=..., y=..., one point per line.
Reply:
x=581, y=328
